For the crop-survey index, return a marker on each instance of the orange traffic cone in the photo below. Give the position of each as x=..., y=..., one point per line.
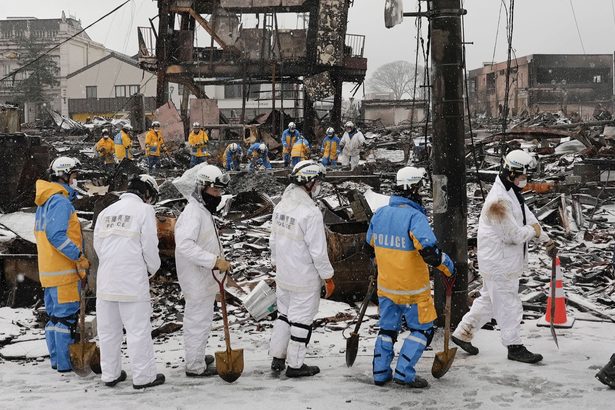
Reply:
x=560, y=318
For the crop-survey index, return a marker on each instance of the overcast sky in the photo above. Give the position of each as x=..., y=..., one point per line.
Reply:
x=541, y=26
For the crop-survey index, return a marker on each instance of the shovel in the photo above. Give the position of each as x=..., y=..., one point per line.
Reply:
x=352, y=342
x=83, y=354
x=443, y=360
x=229, y=363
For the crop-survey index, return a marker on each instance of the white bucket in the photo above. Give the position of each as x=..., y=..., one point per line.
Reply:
x=261, y=302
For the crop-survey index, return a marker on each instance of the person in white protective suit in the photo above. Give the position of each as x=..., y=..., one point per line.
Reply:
x=299, y=254
x=505, y=226
x=351, y=143
x=197, y=253
x=126, y=242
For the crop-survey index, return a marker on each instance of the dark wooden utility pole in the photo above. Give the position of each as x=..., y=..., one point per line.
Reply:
x=449, y=168
x=163, y=42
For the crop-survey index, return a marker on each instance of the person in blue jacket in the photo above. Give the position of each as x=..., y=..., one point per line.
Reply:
x=232, y=156
x=404, y=247
x=257, y=155
x=289, y=136
x=61, y=263
x=330, y=148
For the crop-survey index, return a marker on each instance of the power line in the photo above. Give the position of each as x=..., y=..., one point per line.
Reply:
x=574, y=15
x=59, y=44
x=510, y=27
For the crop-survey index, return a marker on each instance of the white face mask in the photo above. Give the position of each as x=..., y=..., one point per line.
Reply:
x=73, y=183
x=522, y=183
x=316, y=189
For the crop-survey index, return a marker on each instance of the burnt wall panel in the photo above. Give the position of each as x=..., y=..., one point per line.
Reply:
x=332, y=15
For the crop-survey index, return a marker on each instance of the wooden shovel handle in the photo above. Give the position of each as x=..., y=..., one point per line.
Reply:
x=449, y=283
x=368, y=296
x=227, y=334
x=82, y=316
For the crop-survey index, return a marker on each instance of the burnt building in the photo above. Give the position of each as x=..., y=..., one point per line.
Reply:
x=249, y=46
x=544, y=82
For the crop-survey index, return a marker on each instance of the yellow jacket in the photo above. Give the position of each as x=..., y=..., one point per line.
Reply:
x=153, y=143
x=122, y=146
x=58, y=239
x=198, y=143
x=301, y=148
x=105, y=149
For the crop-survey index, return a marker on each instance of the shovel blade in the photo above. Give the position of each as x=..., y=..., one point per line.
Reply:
x=442, y=362
x=229, y=364
x=80, y=357
x=352, y=348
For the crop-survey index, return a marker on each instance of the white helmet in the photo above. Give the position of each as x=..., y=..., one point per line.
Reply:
x=196, y=125
x=292, y=126
x=64, y=166
x=233, y=147
x=127, y=127
x=155, y=124
x=408, y=177
x=330, y=131
x=349, y=124
x=262, y=148
x=146, y=186
x=306, y=171
x=211, y=175
x=105, y=132
x=518, y=161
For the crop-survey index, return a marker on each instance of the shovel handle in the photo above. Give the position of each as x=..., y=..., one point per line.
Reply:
x=82, y=316
x=227, y=334
x=449, y=283
x=368, y=296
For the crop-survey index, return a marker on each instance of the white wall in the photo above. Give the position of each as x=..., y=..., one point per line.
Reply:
x=106, y=75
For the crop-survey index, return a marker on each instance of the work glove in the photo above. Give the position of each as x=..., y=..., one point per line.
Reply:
x=222, y=265
x=537, y=230
x=82, y=263
x=551, y=248
x=329, y=288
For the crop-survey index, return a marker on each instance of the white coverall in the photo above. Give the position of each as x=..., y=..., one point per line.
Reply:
x=502, y=257
x=126, y=242
x=299, y=253
x=196, y=249
x=351, y=149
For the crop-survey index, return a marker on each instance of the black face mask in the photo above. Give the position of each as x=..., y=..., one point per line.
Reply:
x=211, y=202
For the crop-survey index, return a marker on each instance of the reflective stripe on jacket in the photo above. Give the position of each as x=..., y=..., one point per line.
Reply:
x=198, y=143
x=58, y=235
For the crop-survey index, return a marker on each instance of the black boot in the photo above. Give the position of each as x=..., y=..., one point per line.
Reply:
x=417, y=383
x=606, y=375
x=277, y=364
x=466, y=346
x=303, y=371
x=157, y=381
x=520, y=354
x=210, y=368
x=209, y=359
x=121, y=378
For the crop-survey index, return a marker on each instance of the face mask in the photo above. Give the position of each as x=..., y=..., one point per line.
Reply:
x=211, y=202
x=73, y=184
x=522, y=183
x=316, y=189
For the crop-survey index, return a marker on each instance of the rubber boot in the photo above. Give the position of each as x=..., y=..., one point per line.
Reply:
x=210, y=368
x=277, y=364
x=417, y=383
x=121, y=378
x=606, y=375
x=157, y=382
x=520, y=354
x=468, y=347
x=303, y=371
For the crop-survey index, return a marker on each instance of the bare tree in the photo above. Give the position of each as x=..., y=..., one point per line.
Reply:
x=397, y=78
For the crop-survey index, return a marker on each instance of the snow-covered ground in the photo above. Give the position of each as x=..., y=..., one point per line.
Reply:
x=564, y=380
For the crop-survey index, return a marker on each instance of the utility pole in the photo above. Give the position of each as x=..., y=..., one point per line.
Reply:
x=449, y=168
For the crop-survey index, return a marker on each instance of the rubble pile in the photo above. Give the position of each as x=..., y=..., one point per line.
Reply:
x=570, y=194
